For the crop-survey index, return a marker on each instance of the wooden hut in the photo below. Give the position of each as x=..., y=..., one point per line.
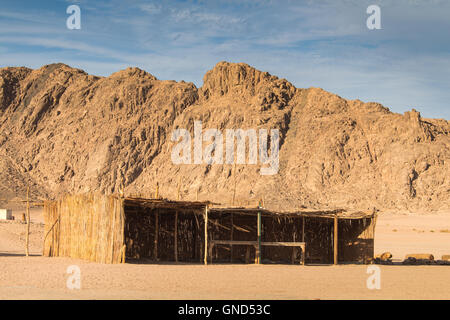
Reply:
x=113, y=229
x=320, y=236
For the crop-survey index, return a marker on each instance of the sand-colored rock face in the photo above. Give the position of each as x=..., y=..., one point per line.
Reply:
x=63, y=130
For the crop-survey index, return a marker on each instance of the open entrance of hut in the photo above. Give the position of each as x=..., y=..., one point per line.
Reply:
x=320, y=234
x=159, y=230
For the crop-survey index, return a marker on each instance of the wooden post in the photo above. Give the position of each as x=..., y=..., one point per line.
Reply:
x=303, y=229
x=335, y=239
x=258, y=253
x=294, y=249
x=179, y=189
x=157, y=191
x=155, y=247
x=205, y=260
x=234, y=195
x=176, y=236
x=234, y=190
x=303, y=254
x=303, y=240
x=28, y=224
x=232, y=230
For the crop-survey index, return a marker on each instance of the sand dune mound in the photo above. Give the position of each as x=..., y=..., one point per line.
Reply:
x=63, y=130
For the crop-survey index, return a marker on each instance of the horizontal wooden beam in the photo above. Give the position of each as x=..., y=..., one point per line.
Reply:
x=254, y=243
x=235, y=242
x=283, y=244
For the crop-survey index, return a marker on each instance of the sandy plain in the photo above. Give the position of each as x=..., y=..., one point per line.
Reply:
x=37, y=277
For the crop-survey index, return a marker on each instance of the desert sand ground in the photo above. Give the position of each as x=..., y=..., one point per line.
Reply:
x=38, y=277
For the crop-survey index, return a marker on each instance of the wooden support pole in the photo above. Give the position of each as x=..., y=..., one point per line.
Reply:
x=232, y=231
x=155, y=247
x=303, y=254
x=205, y=260
x=335, y=239
x=157, y=191
x=303, y=240
x=179, y=189
x=294, y=249
x=303, y=229
x=234, y=189
x=258, y=253
x=234, y=195
x=27, y=241
x=176, y=236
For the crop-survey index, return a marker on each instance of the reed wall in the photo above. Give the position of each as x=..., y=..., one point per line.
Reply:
x=88, y=226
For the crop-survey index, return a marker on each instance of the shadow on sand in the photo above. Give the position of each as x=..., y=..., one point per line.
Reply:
x=15, y=254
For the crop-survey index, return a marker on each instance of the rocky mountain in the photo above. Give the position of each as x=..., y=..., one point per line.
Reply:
x=64, y=131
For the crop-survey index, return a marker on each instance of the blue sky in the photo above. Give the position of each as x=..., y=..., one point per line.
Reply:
x=321, y=43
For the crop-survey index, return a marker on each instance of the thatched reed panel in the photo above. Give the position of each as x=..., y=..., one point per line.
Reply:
x=89, y=226
x=51, y=229
x=356, y=242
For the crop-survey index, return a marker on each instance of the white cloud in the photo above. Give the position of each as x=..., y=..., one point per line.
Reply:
x=150, y=8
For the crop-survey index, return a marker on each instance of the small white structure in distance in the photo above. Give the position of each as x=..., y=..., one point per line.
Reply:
x=6, y=214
